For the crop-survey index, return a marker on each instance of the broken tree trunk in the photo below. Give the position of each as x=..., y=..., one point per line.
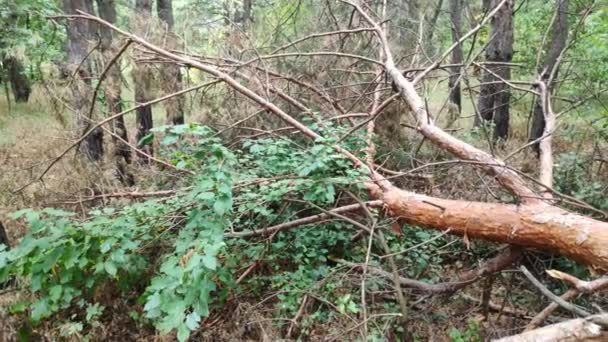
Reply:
x=528, y=225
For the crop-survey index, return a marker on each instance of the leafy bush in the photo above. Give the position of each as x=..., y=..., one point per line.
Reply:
x=572, y=178
x=173, y=245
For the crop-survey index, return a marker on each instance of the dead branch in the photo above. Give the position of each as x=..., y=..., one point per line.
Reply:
x=590, y=287
x=553, y=297
x=302, y=221
x=496, y=264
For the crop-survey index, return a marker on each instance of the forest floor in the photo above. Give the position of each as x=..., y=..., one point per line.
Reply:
x=31, y=137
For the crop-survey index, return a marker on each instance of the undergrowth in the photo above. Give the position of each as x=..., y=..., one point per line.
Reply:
x=172, y=254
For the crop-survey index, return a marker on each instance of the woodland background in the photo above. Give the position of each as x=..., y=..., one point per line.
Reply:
x=303, y=170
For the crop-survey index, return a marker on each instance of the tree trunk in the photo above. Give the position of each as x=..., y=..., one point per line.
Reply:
x=4, y=241
x=171, y=74
x=143, y=82
x=432, y=27
x=78, y=32
x=17, y=78
x=535, y=225
x=4, y=237
x=246, y=17
x=122, y=152
x=558, y=43
x=495, y=95
x=454, y=83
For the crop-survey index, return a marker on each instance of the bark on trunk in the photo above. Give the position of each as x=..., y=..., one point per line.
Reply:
x=528, y=225
x=592, y=328
x=432, y=27
x=4, y=237
x=171, y=74
x=494, y=94
x=17, y=78
x=454, y=83
x=122, y=152
x=558, y=43
x=143, y=82
x=79, y=32
x=4, y=241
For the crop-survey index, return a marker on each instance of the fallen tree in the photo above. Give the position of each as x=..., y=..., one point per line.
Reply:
x=532, y=223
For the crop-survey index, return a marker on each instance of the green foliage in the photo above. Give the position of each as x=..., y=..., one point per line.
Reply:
x=26, y=33
x=172, y=246
x=572, y=178
x=67, y=260
x=470, y=334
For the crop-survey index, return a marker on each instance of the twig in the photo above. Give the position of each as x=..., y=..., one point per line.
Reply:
x=304, y=221
x=550, y=295
x=592, y=286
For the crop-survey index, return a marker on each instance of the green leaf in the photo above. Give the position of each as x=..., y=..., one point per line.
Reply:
x=146, y=140
x=40, y=310
x=210, y=262
x=192, y=321
x=55, y=292
x=222, y=205
x=152, y=305
x=18, y=307
x=110, y=267
x=182, y=332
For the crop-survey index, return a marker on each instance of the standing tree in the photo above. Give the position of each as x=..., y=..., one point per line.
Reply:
x=171, y=75
x=454, y=82
x=548, y=71
x=20, y=84
x=494, y=93
x=122, y=152
x=11, y=21
x=78, y=68
x=142, y=77
x=244, y=16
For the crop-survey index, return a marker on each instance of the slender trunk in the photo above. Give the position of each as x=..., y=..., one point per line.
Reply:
x=4, y=242
x=432, y=26
x=122, y=152
x=558, y=43
x=243, y=14
x=4, y=237
x=495, y=95
x=454, y=83
x=171, y=74
x=247, y=5
x=142, y=81
x=20, y=84
x=78, y=32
